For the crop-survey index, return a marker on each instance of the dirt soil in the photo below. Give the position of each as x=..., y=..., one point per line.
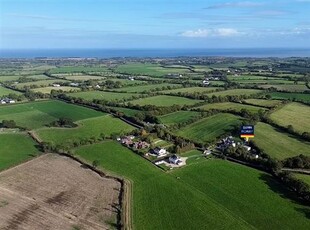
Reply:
x=55, y=192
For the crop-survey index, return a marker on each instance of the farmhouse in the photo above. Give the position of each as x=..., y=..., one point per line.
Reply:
x=55, y=85
x=6, y=100
x=141, y=145
x=97, y=87
x=174, y=159
x=207, y=152
x=126, y=140
x=159, y=151
x=248, y=148
x=131, y=78
x=205, y=82
x=74, y=84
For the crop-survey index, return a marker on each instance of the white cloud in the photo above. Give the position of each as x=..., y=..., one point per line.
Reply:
x=245, y=4
x=203, y=33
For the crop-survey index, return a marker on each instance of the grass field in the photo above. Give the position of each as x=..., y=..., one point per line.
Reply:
x=5, y=91
x=146, y=88
x=264, y=103
x=88, y=128
x=101, y=95
x=79, y=69
x=210, y=128
x=284, y=87
x=235, y=92
x=126, y=111
x=295, y=114
x=192, y=90
x=50, y=88
x=177, y=117
x=278, y=144
x=291, y=96
x=164, y=100
x=15, y=148
x=41, y=83
x=82, y=77
x=231, y=106
x=149, y=69
x=303, y=177
x=5, y=78
x=219, y=195
x=127, y=82
x=37, y=114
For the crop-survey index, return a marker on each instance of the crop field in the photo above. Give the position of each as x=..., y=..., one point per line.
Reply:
x=291, y=88
x=50, y=88
x=126, y=111
x=164, y=100
x=177, y=117
x=54, y=192
x=227, y=206
x=290, y=96
x=5, y=78
x=38, y=77
x=295, y=114
x=238, y=189
x=38, y=114
x=192, y=90
x=278, y=144
x=208, y=129
x=101, y=95
x=12, y=153
x=5, y=91
x=82, y=77
x=146, y=88
x=41, y=83
x=264, y=103
x=149, y=69
x=235, y=92
x=127, y=82
x=88, y=128
x=231, y=106
x=79, y=69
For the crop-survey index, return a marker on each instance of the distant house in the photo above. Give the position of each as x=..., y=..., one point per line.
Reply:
x=248, y=148
x=55, y=85
x=174, y=159
x=131, y=78
x=159, y=151
x=74, y=84
x=205, y=82
x=127, y=140
x=207, y=152
x=97, y=87
x=6, y=100
x=141, y=145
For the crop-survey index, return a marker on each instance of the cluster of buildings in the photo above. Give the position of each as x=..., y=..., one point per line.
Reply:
x=6, y=100
x=128, y=141
x=229, y=141
x=207, y=80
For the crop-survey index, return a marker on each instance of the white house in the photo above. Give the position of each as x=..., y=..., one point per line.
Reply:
x=205, y=82
x=207, y=152
x=174, y=159
x=159, y=151
x=56, y=85
x=248, y=148
x=74, y=84
x=97, y=87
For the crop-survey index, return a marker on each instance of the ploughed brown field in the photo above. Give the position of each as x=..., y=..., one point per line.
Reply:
x=55, y=192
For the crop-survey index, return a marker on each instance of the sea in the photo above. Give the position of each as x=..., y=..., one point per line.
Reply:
x=153, y=53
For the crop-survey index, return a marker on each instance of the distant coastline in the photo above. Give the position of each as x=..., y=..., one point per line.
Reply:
x=153, y=53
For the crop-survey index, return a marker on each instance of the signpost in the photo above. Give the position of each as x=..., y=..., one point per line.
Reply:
x=247, y=131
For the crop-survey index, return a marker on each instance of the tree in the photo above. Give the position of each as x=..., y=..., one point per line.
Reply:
x=8, y=124
x=95, y=163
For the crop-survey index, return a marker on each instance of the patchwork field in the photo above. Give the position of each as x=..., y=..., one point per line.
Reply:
x=177, y=117
x=192, y=90
x=5, y=78
x=82, y=77
x=126, y=111
x=210, y=193
x=295, y=114
x=149, y=69
x=283, y=87
x=231, y=106
x=78, y=69
x=49, y=89
x=101, y=95
x=41, y=83
x=88, y=128
x=264, y=103
x=146, y=88
x=303, y=177
x=235, y=92
x=38, y=114
x=5, y=91
x=15, y=148
x=278, y=144
x=164, y=100
x=291, y=96
x=53, y=192
x=208, y=129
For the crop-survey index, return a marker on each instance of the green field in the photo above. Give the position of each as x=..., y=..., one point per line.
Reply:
x=264, y=103
x=82, y=77
x=41, y=83
x=126, y=111
x=5, y=91
x=278, y=144
x=79, y=69
x=149, y=69
x=37, y=114
x=208, y=129
x=177, y=117
x=15, y=148
x=146, y=88
x=303, y=177
x=212, y=194
x=235, y=92
x=164, y=100
x=295, y=114
x=127, y=82
x=231, y=106
x=290, y=88
x=290, y=96
x=50, y=88
x=101, y=95
x=192, y=90
x=9, y=78
x=88, y=128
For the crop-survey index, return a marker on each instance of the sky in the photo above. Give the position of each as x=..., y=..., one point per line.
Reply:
x=38, y=24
